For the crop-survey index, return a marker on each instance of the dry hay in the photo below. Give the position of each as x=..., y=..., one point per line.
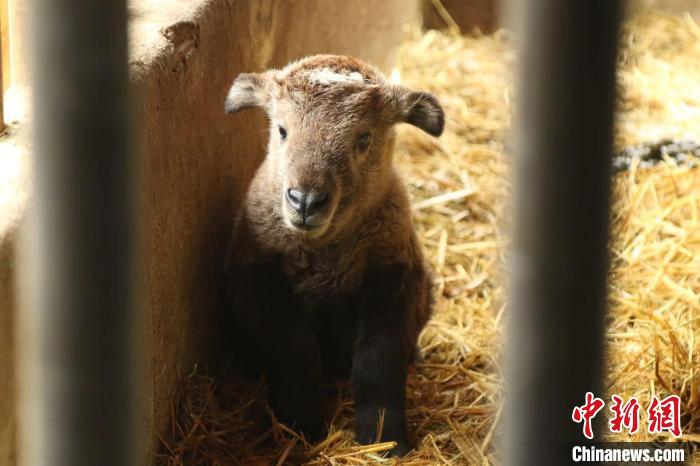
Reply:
x=658, y=80
x=655, y=253
x=458, y=185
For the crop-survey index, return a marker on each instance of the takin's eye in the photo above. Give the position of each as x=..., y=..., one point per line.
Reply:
x=362, y=142
x=283, y=133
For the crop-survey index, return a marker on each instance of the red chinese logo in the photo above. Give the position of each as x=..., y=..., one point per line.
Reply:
x=624, y=415
x=665, y=415
x=587, y=412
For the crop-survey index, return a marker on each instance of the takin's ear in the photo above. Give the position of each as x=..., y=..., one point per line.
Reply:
x=249, y=90
x=420, y=109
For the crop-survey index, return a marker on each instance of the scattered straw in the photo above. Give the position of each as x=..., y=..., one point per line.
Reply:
x=459, y=185
x=658, y=77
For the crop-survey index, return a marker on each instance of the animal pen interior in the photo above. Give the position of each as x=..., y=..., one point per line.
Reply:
x=460, y=186
x=461, y=191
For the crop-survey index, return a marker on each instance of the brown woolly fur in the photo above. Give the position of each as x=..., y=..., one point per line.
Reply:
x=325, y=270
x=324, y=103
x=458, y=186
x=296, y=74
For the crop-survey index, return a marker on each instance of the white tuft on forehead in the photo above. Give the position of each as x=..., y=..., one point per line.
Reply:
x=327, y=76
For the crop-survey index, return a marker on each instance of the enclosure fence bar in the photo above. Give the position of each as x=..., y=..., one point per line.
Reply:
x=76, y=279
x=558, y=268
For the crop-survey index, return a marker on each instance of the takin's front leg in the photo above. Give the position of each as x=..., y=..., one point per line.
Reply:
x=384, y=345
x=277, y=338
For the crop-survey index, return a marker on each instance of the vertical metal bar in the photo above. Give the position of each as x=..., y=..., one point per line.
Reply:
x=559, y=264
x=76, y=283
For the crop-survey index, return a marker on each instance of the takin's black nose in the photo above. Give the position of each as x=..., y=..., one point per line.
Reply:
x=307, y=204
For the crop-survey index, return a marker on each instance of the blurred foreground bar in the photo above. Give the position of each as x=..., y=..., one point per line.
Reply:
x=76, y=277
x=559, y=262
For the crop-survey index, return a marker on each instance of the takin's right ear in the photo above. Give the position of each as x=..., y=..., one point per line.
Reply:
x=418, y=108
x=424, y=111
x=249, y=90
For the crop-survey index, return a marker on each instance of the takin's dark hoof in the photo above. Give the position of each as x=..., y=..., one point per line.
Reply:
x=312, y=430
x=401, y=449
x=311, y=426
x=391, y=433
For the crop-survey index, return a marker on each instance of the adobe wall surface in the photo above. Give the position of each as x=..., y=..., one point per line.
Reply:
x=193, y=162
x=675, y=7
x=14, y=189
x=489, y=15
x=7, y=353
x=196, y=161
x=466, y=14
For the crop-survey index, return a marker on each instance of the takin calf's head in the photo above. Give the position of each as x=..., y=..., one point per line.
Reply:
x=331, y=134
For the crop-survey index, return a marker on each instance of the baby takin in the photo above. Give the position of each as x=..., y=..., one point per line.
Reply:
x=325, y=272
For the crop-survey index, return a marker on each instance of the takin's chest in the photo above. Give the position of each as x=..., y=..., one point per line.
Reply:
x=323, y=277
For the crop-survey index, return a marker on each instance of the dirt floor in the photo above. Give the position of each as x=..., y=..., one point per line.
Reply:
x=459, y=185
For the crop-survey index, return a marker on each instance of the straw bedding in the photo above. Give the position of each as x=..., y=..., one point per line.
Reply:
x=459, y=185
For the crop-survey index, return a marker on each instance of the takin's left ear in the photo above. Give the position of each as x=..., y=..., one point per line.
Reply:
x=249, y=90
x=420, y=109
